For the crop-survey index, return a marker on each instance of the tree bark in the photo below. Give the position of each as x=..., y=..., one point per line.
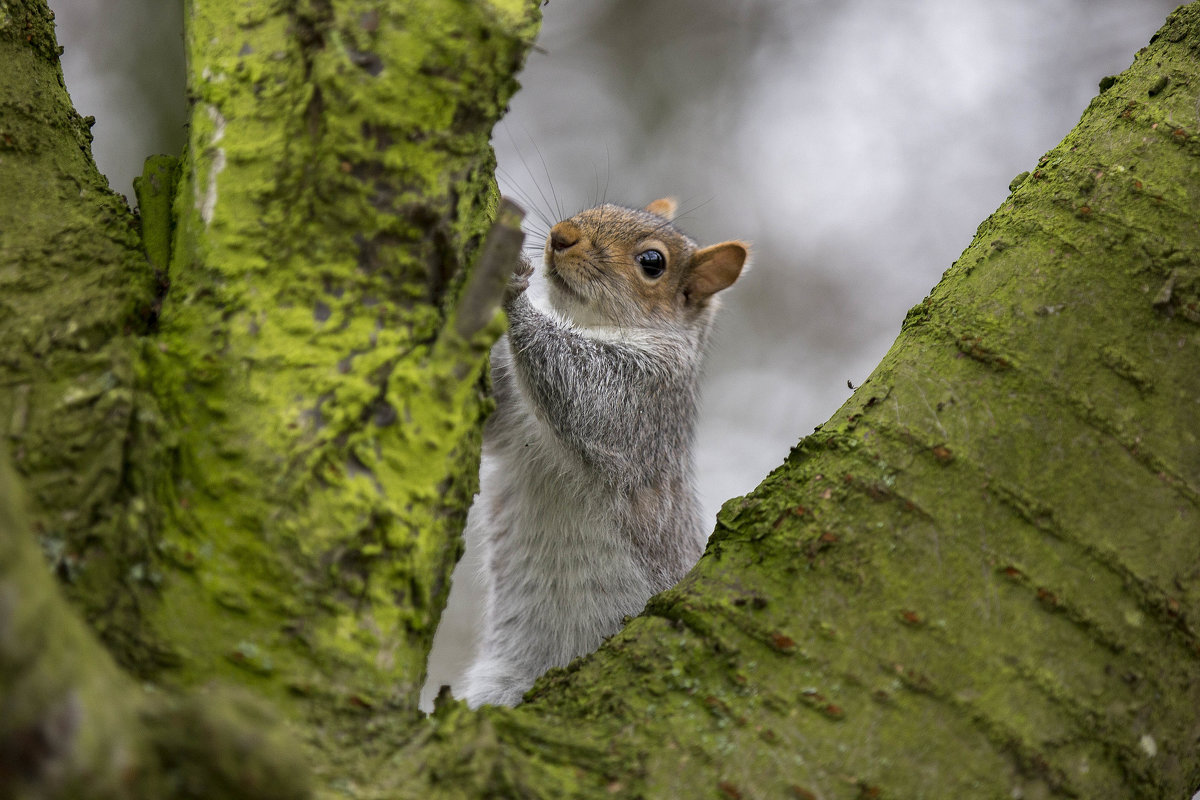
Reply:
x=250, y=448
x=248, y=437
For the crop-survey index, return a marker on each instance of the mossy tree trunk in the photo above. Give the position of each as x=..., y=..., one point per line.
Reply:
x=249, y=449
x=247, y=457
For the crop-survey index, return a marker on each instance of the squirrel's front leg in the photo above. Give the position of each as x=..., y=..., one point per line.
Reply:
x=519, y=282
x=534, y=343
x=580, y=387
x=502, y=367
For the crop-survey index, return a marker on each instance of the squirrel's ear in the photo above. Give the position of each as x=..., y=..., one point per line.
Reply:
x=664, y=207
x=713, y=269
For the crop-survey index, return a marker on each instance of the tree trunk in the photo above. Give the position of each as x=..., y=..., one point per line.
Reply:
x=248, y=454
x=250, y=450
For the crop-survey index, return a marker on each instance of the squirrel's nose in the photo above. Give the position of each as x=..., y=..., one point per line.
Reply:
x=563, y=236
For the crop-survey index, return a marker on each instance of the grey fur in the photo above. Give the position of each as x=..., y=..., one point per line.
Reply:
x=587, y=504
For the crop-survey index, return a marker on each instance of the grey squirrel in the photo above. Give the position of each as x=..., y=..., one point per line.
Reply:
x=587, y=505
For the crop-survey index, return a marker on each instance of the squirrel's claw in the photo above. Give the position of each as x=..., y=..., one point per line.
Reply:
x=519, y=281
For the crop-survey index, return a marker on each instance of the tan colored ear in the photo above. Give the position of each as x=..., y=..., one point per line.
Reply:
x=713, y=269
x=664, y=207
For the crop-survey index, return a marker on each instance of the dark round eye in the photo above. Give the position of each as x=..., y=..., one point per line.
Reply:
x=653, y=263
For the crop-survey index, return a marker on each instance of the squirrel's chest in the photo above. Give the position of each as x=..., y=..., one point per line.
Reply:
x=551, y=521
x=536, y=484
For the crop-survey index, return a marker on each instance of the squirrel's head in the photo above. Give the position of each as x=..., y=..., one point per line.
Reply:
x=612, y=266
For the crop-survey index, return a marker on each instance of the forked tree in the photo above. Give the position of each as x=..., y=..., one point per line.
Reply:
x=242, y=430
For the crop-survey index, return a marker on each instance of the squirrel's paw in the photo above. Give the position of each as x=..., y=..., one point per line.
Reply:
x=519, y=281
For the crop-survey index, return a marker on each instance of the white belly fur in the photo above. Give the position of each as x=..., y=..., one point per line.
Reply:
x=559, y=575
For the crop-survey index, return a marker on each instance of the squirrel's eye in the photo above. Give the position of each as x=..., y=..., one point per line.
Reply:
x=653, y=263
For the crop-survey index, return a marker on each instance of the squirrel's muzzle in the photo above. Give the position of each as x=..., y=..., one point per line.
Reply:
x=563, y=236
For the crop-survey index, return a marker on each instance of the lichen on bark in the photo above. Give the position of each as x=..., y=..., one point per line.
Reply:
x=251, y=446
x=75, y=296
x=337, y=183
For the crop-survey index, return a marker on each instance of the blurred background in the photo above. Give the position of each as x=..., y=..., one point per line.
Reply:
x=856, y=143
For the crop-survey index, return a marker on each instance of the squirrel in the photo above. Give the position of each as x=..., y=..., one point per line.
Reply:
x=587, y=505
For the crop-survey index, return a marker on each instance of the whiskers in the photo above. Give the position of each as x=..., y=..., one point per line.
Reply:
x=532, y=183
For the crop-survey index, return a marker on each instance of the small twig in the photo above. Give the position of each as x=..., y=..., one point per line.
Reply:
x=499, y=257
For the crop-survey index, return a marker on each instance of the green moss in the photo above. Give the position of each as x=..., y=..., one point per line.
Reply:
x=54, y=678
x=75, y=726
x=973, y=577
x=76, y=293
x=155, y=190
x=336, y=187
